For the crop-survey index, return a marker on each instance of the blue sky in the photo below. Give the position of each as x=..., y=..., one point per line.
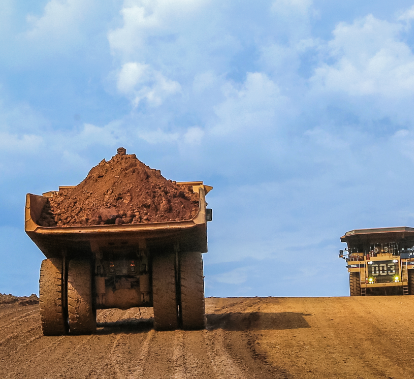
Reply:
x=297, y=112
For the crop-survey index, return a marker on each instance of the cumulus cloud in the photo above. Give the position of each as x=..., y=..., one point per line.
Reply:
x=139, y=81
x=407, y=15
x=143, y=19
x=61, y=19
x=368, y=59
x=63, y=27
x=246, y=104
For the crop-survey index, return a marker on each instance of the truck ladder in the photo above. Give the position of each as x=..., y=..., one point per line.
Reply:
x=363, y=291
x=405, y=290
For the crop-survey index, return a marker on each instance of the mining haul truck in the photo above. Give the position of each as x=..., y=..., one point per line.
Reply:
x=87, y=268
x=380, y=261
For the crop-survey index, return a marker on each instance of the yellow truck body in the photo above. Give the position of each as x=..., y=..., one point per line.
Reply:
x=121, y=266
x=380, y=260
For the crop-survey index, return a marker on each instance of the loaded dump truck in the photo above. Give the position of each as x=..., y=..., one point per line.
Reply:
x=380, y=261
x=121, y=254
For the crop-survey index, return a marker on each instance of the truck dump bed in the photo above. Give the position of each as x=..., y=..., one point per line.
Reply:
x=403, y=234
x=86, y=240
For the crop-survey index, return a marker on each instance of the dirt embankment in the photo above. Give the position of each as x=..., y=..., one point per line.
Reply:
x=23, y=300
x=121, y=191
x=358, y=337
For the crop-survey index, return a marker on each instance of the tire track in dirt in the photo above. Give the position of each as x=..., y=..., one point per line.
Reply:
x=233, y=333
x=142, y=357
x=20, y=317
x=125, y=346
x=368, y=337
x=22, y=367
x=222, y=363
x=190, y=357
x=127, y=342
x=178, y=356
x=16, y=335
x=7, y=311
x=114, y=357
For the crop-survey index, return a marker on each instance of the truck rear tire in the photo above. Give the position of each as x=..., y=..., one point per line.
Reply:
x=164, y=292
x=82, y=315
x=51, y=293
x=354, y=284
x=411, y=282
x=192, y=291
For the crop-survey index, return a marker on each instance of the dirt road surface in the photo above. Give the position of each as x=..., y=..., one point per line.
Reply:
x=358, y=337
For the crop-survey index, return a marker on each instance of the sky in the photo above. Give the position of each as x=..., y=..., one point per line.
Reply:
x=298, y=112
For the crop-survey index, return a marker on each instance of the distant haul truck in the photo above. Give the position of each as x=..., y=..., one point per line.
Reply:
x=87, y=268
x=380, y=261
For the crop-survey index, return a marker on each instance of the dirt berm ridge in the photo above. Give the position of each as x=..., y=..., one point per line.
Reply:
x=345, y=337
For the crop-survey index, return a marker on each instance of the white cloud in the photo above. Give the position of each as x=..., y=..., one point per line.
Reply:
x=139, y=81
x=367, y=59
x=61, y=20
x=370, y=59
x=143, y=19
x=407, y=15
x=130, y=75
x=255, y=106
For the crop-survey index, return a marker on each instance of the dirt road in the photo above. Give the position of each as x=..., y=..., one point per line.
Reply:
x=359, y=337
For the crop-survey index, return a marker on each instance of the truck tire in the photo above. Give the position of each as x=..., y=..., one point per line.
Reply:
x=354, y=284
x=411, y=282
x=164, y=292
x=192, y=291
x=82, y=315
x=51, y=301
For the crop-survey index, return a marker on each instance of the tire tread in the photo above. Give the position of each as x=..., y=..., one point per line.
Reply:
x=52, y=314
x=192, y=291
x=82, y=316
x=164, y=292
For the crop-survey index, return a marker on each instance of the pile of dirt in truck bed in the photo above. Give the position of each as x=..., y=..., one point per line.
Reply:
x=121, y=191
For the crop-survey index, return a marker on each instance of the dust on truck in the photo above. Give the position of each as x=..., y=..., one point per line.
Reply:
x=380, y=261
x=87, y=268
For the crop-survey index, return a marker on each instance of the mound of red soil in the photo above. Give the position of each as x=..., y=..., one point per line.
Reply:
x=121, y=191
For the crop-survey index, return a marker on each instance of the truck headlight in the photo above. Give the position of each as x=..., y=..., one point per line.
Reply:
x=396, y=279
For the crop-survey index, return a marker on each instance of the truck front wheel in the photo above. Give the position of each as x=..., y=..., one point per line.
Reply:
x=82, y=315
x=354, y=284
x=192, y=291
x=164, y=292
x=51, y=291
